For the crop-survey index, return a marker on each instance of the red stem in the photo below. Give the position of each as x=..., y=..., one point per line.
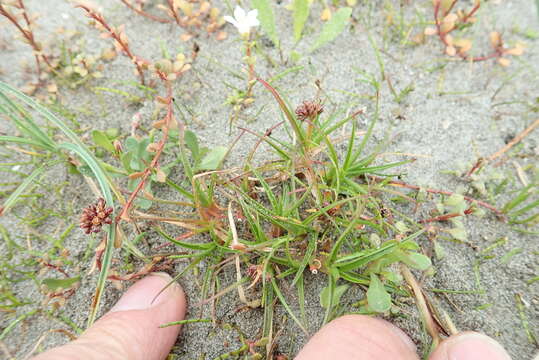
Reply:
x=160, y=147
x=125, y=47
x=446, y=217
x=144, y=13
x=470, y=14
x=436, y=191
x=498, y=51
x=57, y=268
x=171, y=7
x=28, y=34
x=450, y=7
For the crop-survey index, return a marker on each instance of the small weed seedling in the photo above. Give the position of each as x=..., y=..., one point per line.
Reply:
x=448, y=22
x=186, y=15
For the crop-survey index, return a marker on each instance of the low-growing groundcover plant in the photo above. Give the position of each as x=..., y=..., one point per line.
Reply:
x=322, y=201
x=308, y=209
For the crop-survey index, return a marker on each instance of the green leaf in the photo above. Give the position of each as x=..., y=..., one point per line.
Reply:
x=99, y=173
x=394, y=277
x=213, y=159
x=454, y=199
x=505, y=259
x=333, y=27
x=458, y=233
x=131, y=144
x=187, y=245
x=12, y=199
x=140, y=201
x=337, y=294
x=286, y=110
x=142, y=153
x=21, y=140
x=112, y=133
x=456, y=203
x=267, y=19
x=125, y=158
x=45, y=113
x=378, y=298
x=295, y=56
x=85, y=170
x=191, y=142
x=55, y=284
x=439, y=250
x=401, y=227
x=80, y=149
x=285, y=305
x=139, y=155
x=418, y=261
x=102, y=140
x=301, y=14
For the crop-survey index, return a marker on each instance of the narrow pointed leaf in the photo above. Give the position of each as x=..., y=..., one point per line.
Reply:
x=333, y=27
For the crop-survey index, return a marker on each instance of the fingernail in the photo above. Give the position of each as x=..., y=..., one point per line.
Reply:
x=475, y=346
x=147, y=293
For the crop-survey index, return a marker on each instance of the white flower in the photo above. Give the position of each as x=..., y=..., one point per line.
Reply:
x=243, y=21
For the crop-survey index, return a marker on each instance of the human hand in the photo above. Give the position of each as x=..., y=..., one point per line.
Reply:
x=360, y=337
x=131, y=331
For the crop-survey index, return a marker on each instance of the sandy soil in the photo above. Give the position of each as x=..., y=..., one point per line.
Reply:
x=457, y=112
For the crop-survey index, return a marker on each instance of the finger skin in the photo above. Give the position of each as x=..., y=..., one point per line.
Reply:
x=130, y=331
x=359, y=337
x=469, y=346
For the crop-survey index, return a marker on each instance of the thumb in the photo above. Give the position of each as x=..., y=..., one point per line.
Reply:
x=469, y=346
x=130, y=330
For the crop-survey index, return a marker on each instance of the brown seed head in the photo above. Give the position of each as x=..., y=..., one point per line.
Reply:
x=309, y=109
x=256, y=271
x=94, y=216
x=252, y=271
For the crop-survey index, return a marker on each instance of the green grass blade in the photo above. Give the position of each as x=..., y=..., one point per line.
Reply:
x=333, y=254
x=80, y=149
x=267, y=19
x=296, y=126
x=354, y=261
x=521, y=197
x=98, y=172
x=268, y=302
x=285, y=304
x=301, y=14
x=10, y=327
x=21, y=140
x=43, y=111
x=180, y=189
x=12, y=199
x=525, y=209
x=103, y=274
x=301, y=299
x=349, y=149
x=357, y=170
x=191, y=246
x=24, y=124
x=333, y=27
x=311, y=247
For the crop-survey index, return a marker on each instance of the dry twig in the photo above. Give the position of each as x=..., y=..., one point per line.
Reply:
x=482, y=161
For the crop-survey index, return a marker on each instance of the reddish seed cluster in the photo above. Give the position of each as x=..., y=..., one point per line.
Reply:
x=309, y=109
x=94, y=216
x=255, y=272
x=252, y=271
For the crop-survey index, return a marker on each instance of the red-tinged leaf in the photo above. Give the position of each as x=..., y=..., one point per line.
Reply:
x=289, y=115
